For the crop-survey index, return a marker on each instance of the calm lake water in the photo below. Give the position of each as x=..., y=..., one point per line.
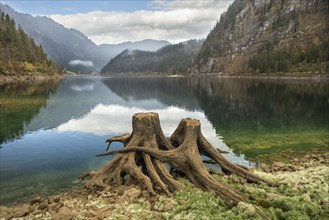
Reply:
x=50, y=131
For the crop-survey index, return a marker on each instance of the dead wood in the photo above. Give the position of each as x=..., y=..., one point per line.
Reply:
x=147, y=151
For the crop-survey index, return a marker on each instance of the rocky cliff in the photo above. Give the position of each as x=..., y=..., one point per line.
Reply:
x=268, y=36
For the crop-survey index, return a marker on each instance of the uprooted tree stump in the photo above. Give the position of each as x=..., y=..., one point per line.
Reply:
x=147, y=151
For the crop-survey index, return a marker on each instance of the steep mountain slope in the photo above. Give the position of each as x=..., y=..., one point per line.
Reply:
x=171, y=59
x=18, y=52
x=266, y=36
x=69, y=47
x=61, y=44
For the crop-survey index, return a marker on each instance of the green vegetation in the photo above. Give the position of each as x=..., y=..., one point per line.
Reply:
x=19, y=53
x=272, y=58
x=171, y=59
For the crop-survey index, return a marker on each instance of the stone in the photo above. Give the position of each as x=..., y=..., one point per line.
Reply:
x=43, y=206
x=52, y=199
x=123, y=199
x=265, y=168
x=104, y=212
x=168, y=205
x=64, y=213
x=133, y=193
x=54, y=207
x=22, y=211
x=89, y=197
x=35, y=200
x=277, y=166
x=292, y=167
x=272, y=196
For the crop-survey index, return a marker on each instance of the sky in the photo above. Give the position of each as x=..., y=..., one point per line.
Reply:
x=120, y=21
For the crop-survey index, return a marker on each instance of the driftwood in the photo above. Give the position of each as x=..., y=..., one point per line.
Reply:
x=147, y=151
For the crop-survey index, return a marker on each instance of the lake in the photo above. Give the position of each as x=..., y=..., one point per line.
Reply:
x=50, y=131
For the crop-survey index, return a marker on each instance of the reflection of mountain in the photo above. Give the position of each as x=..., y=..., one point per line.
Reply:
x=243, y=103
x=258, y=117
x=21, y=103
x=169, y=91
x=74, y=98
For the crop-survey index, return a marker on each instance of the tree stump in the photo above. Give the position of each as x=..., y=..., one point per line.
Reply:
x=147, y=151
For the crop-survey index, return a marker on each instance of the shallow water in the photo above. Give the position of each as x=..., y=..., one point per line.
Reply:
x=51, y=131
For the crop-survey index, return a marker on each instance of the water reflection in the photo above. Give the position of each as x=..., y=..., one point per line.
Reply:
x=267, y=117
x=62, y=126
x=116, y=119
x=20, y=103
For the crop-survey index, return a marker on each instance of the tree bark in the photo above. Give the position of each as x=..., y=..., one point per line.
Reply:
x=147, y=151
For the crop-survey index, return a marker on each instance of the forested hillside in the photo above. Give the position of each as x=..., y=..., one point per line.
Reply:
x=18, y=52
x=171, y=59
x=268, y=36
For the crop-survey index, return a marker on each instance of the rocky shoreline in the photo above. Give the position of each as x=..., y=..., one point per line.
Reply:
x=305, y=183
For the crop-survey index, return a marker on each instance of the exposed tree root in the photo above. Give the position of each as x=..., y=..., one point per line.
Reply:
x=147, y=151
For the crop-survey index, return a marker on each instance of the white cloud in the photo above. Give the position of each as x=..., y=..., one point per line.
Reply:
x=169, y=20
x=87, y=63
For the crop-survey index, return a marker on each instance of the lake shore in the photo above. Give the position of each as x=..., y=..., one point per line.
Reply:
x=6, y=79
x=303, y=193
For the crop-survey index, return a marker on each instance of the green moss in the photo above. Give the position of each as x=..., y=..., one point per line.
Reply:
x=302, y=195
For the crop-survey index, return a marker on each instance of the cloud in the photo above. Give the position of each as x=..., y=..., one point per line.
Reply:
x=116, y=120
x=168, y=20
x=86, y=63
x=87, y=87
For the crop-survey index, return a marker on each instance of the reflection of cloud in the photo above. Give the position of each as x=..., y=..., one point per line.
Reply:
x=86, y=63
x=88, y=87
x=116, y=119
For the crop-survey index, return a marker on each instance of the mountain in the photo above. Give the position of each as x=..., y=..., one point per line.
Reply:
x=61, y=44
x=70, y=48
x=111, y=50
x=171, y=59
x=268, y=36
x=19, y=53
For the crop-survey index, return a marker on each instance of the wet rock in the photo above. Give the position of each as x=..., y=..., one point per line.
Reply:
x=36, y=200
x=64, y=213
x=43, y=206
x=133, y=193
x=52, y=199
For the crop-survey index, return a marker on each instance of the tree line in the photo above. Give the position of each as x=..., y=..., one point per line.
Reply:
x=19, y=53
